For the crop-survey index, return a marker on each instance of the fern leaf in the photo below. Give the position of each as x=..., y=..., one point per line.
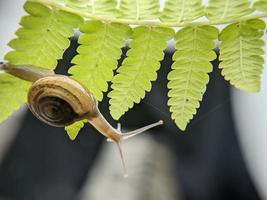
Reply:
x=228, y=9
x=74, y=129
x=261, y=5
x=98, y=54
x=13, y=94
x=182, y=10
x=189, y=77
x=44, y=36
x=97, y=7
x=139, y=9
x=241, y=54
x=138, y=69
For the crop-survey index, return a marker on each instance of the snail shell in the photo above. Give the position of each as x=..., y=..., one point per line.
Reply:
x=60, y=101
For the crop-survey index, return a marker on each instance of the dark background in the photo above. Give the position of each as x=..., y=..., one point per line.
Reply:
x=42, y=163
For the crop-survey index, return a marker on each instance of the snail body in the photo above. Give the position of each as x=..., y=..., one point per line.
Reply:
x=28, y=73
x=59, y=101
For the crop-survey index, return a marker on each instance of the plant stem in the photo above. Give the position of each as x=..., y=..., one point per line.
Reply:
x=143, y=22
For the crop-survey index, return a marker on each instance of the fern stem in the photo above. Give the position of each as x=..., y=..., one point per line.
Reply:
x=59, y=6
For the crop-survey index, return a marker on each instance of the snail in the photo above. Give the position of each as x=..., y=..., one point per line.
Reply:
x=59, y=101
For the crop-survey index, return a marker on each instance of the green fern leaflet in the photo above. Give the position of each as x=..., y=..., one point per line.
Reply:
x=139, y=9
x=74, y=129
x=44, y=36
x=98, y=54
x=182, y=10
x=138, y=69
x=189, y=77
x=261, y=5
x=241, y=54
x=228, y=9
x=13, y=94
x=99, y=7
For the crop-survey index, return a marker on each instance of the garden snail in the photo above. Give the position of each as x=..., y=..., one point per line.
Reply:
x=59, y=101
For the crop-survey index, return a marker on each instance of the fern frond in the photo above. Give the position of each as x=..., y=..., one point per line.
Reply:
x=241, y=54
x=138, y=69
x=97, y=7
x=13, y=94
x=98, y=54
x=261, y=5
x=44, y=36
x=139, y=9
x=228, y=9
x=189, y=77
x=182, y=10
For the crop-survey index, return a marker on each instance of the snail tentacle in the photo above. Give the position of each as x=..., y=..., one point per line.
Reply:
x=127, y=135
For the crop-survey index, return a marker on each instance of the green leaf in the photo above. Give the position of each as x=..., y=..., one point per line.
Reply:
x=13, y=94
x=182, y=10
x=261, y=5
x=44, y=36
x=241, y=54
x=138, y=69
x=97, y=7
x=228, y=9
x=139, y=9
x=189, y=77
x=98, y=54
x=74, y=129
x=81, y=4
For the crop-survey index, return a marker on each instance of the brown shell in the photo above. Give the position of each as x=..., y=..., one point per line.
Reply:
x=59, y=101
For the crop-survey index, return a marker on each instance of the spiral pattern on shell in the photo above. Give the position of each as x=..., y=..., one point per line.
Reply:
x=60, y=101
x=56, y=111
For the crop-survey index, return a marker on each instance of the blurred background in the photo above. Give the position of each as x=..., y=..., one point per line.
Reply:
x=221, y=155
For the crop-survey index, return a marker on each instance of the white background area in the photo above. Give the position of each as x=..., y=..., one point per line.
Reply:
x=250, y=110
